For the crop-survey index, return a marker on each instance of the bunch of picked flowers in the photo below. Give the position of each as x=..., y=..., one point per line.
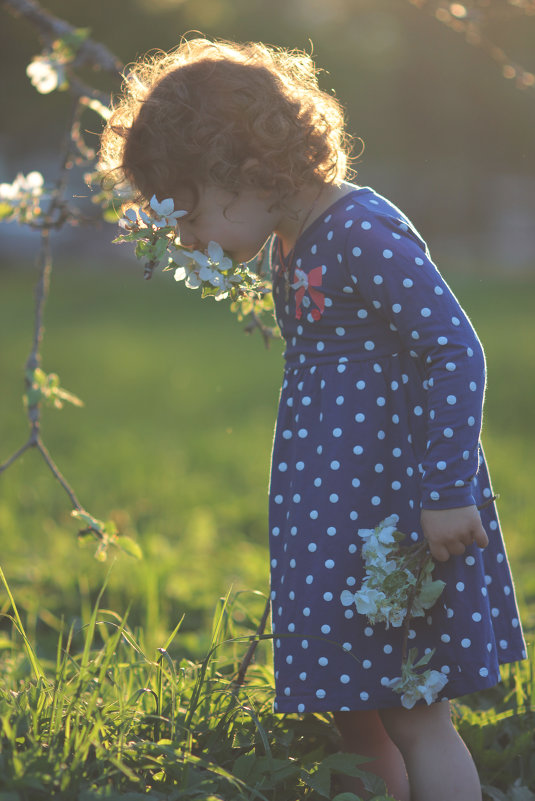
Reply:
x=398, y=586
x=213, y=272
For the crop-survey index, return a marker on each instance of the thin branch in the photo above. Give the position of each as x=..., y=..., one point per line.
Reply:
x=246, y=661
x=50, y=28
x=16, y=455
x=58, y=474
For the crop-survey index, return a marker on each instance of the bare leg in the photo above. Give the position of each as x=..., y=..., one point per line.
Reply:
x=438, y=762
x=363, y=733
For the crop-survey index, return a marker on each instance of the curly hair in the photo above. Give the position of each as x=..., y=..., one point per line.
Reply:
x=200, y=113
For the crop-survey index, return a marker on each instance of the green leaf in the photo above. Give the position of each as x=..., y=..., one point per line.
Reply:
x=347, y=797
x=319, y=780
x=6, y=210
x=430, y=592
x=129, y=546
x=345, y=763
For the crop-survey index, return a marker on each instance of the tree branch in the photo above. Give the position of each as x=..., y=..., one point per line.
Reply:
x=90, y=53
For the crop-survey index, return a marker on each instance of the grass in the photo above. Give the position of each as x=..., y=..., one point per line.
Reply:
x=173, y=444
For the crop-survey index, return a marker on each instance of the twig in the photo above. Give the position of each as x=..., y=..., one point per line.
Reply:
x=246, y=661
x=90, y=53
x=256, y=322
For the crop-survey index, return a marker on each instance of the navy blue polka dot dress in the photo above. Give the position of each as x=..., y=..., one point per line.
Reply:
x=380, y=414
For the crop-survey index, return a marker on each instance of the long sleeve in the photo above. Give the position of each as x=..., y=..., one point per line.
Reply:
x=392, y=272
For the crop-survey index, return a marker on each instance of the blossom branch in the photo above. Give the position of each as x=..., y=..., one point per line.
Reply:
x=90, y=53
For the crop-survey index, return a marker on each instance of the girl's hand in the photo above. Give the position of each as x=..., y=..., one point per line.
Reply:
x=449, y=531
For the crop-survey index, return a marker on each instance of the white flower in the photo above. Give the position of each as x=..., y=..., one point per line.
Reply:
x=435, y=680
x=217, y=256
x=393, y=616
x=180, y=274
x=368, y=600
x=166, y=211
x=46, y=74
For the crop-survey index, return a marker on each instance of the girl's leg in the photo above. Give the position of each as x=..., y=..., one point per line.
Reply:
x=438, y=762
x=363, y=733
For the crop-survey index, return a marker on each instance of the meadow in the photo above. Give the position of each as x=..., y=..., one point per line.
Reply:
x=173, y=444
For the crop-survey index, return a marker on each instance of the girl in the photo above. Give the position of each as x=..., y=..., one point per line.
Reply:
x=380, y=410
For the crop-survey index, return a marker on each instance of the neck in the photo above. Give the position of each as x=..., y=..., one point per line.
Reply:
x=309, y=204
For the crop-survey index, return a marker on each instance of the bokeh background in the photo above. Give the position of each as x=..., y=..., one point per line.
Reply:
x=174, y=440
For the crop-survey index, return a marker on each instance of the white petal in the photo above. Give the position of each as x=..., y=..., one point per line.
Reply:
x=193, y=281
x=145, y=217
x=180, y=274
x=215, y=252
x=167, y=206
x=347, y=598
x=200, y=258
x=131, y=215
x=206, y=273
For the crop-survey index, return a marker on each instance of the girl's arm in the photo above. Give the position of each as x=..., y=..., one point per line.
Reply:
x=394, y=275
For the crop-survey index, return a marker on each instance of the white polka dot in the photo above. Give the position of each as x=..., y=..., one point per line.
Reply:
x=312, y=547
x=329, y=564
x=451, y=400
x=396, y=308
x=320, y=346
x=325, y=629
x=323, y=661
x=459, y=586
x=442, y=340
x=425, y=312
x=300, y=708
x=448, y=432
x=337, y=432
x=407, y=283
x=364, y=696
x=331, y=531
x=466, y=643
x=476, y=617
x=344, y=678
x=369, y=345
x=366, y=664
x=451, y=366
x=387, y=254
x=445, y=637
x=366, y=225
x=320, y=693
x=378, y=279
x=470, y=560
x=356, y=252
x=441, y=465
x=483, y=671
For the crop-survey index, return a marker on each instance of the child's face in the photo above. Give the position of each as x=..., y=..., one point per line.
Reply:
x=240, y=223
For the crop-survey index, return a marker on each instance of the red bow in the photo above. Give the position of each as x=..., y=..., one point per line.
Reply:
x=308, y=282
